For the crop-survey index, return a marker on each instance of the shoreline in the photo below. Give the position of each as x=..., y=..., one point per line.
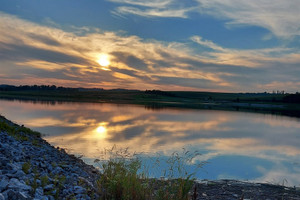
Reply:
x=252, y=107
x=275, y=103
x=31, y=168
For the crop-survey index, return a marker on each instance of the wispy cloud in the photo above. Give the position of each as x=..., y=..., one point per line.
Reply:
x=154, y=12
x=153, y=3
x=249, y=58
x=279, y=17
x=164, y=8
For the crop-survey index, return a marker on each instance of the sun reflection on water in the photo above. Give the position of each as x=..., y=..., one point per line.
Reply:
x=101, y=131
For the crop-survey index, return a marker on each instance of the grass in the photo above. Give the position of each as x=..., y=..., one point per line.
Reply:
x=20, y=133
x=26, y=167
x=125, y=177
x=120, y=178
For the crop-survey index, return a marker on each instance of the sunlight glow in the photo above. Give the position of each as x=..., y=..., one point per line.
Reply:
x=101, y=131
x=103, y=60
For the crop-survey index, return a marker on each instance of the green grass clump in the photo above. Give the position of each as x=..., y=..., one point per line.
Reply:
x=124, y=177
x=26, y=167
x=44, y=180
x=20, y=133
x=120, y=178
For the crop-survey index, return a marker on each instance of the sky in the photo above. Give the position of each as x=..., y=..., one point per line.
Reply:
x=196, y=45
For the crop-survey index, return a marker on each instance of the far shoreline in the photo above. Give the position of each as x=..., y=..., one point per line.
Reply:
x=279, y=103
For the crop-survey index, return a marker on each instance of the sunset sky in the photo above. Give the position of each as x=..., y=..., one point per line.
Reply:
x=199, y=45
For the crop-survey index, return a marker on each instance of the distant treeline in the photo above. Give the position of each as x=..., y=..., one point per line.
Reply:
x=43, y=88
x=159, y=92
x=122, y=94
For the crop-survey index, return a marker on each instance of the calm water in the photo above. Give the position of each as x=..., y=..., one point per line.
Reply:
x=237, y=145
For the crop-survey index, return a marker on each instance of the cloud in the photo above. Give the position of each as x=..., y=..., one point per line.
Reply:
x=164, y=8
x=279, y=17
x=34, y=54
x=181, y=13
x=207, y=43
x=153, y=3
x=249, y=58
x=280, y=174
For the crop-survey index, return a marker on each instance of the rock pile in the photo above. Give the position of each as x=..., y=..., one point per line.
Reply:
x=30, y=168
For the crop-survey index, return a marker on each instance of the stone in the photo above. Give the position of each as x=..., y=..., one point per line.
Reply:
x=13, y=166
x=50, y=197
x=39, y=182
x=79, y=190
x=15, y=184
x=49, y=187
x=10, y=194
x=20, y=174
x=57, y=170
x=3, y=184
x=2, y=196
x=41, y=198
x=39, y=192
x=22, y=196
x=4, y=161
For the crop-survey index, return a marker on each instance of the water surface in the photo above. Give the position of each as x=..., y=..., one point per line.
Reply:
x=237, y=145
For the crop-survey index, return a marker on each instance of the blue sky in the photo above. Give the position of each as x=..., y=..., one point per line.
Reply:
x=211, y=45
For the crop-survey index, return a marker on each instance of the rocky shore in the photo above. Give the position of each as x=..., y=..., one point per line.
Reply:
x=238, y=190
x=30, y=168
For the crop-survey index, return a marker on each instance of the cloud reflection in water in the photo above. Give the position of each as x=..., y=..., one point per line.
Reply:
x=237, y=145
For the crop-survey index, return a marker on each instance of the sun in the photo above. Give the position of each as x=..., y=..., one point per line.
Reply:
x=103, y=60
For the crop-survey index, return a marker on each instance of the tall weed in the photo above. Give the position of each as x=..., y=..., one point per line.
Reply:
x=124, y=176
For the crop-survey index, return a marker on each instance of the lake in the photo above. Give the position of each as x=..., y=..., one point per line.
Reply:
x=235, y=145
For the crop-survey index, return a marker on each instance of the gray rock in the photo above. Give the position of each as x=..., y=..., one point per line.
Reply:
x=39, y=194
x=50, y=197
x=13, y=166
x=3, y=184
x=79, y=190
x=82, y=197
x=22, y=196
x=41, y=198
x=39, y=191
x=2, y=196
x=11, y=173
x=10, y=194
x=15, y=184
x=57, y=170
x=49, y=187
x=39, y=182
x=20, y=174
